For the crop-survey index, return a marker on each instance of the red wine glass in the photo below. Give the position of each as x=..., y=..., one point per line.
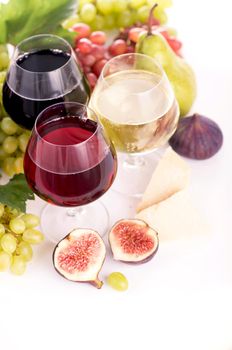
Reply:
x=70, y=163
x=43, y=71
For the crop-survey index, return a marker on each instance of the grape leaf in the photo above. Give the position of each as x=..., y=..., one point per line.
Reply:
x=16, y=192
x=21, y=19
x=65, y=34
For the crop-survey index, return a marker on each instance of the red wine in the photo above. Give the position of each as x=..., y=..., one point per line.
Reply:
x=24, y=110
x=43, y=60
x=65, y=169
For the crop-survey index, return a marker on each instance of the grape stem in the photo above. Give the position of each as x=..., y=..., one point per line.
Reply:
x=149, y=31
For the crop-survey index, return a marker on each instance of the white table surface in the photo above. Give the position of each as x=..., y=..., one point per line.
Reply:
x=181, y=299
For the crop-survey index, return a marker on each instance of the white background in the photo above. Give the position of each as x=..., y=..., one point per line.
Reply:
x=181, y=299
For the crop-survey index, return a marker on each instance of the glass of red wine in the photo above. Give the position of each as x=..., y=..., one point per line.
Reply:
x=43, y=71
x=70, y=163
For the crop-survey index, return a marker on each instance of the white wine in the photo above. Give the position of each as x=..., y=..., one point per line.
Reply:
x=137, y=108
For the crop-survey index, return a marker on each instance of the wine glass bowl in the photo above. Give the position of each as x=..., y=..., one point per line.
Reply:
x=69, y=159
x=135, y=102
x=43, y=71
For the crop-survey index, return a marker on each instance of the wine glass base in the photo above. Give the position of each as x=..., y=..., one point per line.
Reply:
x=134, y=172
x=57, y=222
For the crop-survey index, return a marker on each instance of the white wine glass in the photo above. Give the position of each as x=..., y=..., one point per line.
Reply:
x=135, y=103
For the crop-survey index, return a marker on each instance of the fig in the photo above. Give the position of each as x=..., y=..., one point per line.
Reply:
x=133, y=241
x=197, y=137
x=79, y=256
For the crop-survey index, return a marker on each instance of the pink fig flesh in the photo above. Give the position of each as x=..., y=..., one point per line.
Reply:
x=133, y=241
x=79, y=256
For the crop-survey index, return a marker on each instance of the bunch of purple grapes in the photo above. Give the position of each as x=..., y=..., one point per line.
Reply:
x=92, y=52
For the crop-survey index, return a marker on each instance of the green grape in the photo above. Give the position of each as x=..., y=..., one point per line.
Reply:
x=105, y=6
x=150, y=3
x=117, y=281
x=4, y=60
x=143, y=13
x=83, y=2
x=119, y=5
x=2, y=209
x=18, y=165
x=8, y=166
x=8, y=126
x=10, y=144
x=98, y=23
x=8, y=243
x=88, y=13
x=20, y=130
x=30, y=220
x=3, y=48
x=5, y=261
x=23, y=141
x=24, y=249
x=124, y=19
x=134, y=16
x=33, y=236
x=109, y=22
x=160, y=15
x=136, y=4
x=2, y=229
x=2, y=77
x=13, y=213
x=69, y=23
x=18, y=265
x=3, y=113
x=3, y=154
x=17, y=225
x=2, y=136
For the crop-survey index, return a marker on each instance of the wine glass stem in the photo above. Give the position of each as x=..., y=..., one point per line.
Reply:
x=72, y=212
x=134, y=161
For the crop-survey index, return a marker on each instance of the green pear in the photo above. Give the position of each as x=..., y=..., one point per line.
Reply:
x=179, y=73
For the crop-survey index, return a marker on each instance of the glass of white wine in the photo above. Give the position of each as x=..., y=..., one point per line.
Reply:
x=135, y=102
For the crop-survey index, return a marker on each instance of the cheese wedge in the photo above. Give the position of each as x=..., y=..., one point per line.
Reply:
x=175, y=218
x=170, y=176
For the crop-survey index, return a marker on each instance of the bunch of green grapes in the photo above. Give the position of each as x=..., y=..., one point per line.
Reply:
x=13, y=143
x=109, y=14
x=17, y=233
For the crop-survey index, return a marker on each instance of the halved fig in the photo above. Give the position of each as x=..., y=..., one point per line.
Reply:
x=79, y=256
x=133, y=241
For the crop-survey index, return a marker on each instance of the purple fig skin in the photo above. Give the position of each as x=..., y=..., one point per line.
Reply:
x=96, y=283
x=148, y=258
x=197, y=137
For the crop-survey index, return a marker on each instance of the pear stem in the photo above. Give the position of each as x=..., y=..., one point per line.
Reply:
x=149, y=32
